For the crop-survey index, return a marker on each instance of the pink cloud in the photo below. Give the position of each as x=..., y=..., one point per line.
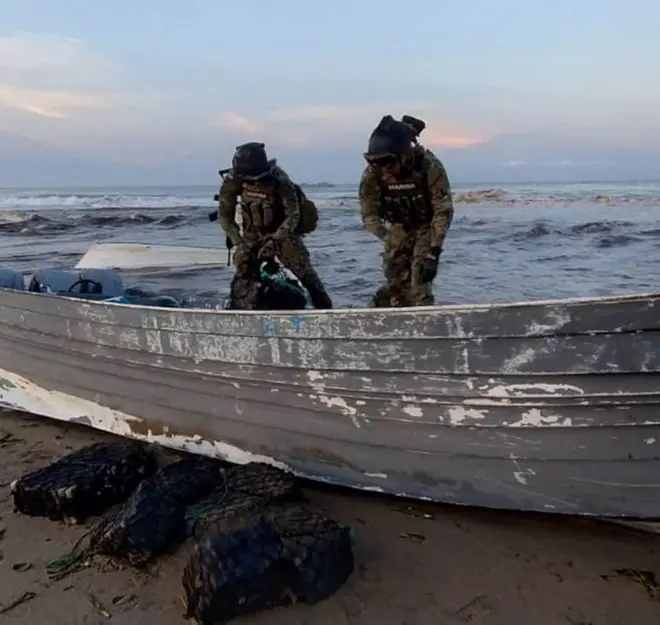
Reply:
x=327, y=125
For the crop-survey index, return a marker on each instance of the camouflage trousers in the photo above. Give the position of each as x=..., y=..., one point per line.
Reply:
x=403, y=257
x=294, y=256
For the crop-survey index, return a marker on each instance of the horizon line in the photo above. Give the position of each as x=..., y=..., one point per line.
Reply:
x=334, y=184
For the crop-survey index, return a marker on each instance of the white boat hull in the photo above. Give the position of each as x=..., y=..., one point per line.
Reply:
x=138, y=256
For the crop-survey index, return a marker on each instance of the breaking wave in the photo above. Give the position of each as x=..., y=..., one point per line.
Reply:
x=30, y=223
x=93, y=201
x=329, y=196
x=522, y=197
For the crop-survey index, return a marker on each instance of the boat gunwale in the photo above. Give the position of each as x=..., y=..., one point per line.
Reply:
x=293, y=339
x=399, y=312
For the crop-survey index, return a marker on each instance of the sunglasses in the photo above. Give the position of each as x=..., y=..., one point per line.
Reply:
x=381, y=160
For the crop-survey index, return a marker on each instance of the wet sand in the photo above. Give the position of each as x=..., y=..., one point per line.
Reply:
x=438, y=566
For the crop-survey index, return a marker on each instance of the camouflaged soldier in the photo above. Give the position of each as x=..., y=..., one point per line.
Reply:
x=275, y=215
x=405, y=200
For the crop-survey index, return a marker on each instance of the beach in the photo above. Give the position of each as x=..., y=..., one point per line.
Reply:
x=416, y=564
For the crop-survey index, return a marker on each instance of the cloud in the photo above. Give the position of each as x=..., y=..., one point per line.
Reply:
x=55, y=104
x=334, y=126
x=72, y=101
x=53, y=77
x=59, y=91
x=234, y=122
x=28, y=51
x=42, y=60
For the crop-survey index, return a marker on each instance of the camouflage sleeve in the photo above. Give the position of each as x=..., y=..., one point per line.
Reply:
x=370, y=200
x=230, y=189
x=289, y=198
x=441, y=198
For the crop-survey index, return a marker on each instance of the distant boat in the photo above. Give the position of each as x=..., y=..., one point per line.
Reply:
x=317, y=185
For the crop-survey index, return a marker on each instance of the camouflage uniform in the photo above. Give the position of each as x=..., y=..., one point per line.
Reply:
x=411, y=213
x=270, y=214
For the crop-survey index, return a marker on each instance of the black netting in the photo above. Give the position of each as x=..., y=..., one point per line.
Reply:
x=317, y=550
x=218, y=509
x=235, y=573
x=264, y=480
x=255, y=556
x=153, y=517
x=83, y=483
x=245, y=489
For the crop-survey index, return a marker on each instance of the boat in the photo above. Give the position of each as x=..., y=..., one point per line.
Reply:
x=550, y=406
x=142, y=256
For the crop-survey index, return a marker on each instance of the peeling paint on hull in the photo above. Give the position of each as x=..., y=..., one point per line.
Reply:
x=19, y=393
x=547, y=406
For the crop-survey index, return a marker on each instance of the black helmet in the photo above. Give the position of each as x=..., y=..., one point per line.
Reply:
x=389, y=139
x=250, y=160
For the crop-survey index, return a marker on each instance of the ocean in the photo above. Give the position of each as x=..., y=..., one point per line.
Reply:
x=507, y=243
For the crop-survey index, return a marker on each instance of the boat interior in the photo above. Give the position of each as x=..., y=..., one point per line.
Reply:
x=87, y=284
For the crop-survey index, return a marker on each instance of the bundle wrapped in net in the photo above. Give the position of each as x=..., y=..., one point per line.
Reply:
x=246, y=489
x=264, y=480
x=318, y=551
x=219, y=508
x=235, y=573
x=153, y=517
x=85, y=482
x=263, y=555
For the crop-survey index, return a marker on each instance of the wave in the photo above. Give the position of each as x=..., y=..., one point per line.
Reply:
x=600, y=234
x=26, y=223
x=184, y=199
x=503, y=197
x=596, y=233
x=558, y=199
x=96, y=201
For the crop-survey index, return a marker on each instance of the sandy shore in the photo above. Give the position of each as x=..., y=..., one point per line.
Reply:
x=440, y=566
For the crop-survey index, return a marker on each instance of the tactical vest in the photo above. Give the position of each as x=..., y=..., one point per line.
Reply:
x=406, y=201
x=263, y=211
x=261, y=208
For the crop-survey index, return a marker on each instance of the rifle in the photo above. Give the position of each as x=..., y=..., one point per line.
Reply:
x=213, y=215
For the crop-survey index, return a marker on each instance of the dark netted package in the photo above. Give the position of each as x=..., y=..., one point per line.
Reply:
x=264, y=480
x=219, y=508
x=305, y=556
x=317, y=550
x=85, y=482
x=235, y=573
x=245, y=489
x=153, y=517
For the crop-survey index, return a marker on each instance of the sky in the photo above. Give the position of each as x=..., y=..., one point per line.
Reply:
x=162, y=92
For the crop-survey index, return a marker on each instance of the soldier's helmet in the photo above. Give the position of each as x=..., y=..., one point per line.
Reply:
x=389, y=140
x=250, y=160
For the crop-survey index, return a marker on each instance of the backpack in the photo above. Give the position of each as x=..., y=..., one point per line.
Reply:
x=309, y=215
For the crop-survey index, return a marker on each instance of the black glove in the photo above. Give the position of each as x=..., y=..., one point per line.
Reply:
x=269, y=266
x=429, y=266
